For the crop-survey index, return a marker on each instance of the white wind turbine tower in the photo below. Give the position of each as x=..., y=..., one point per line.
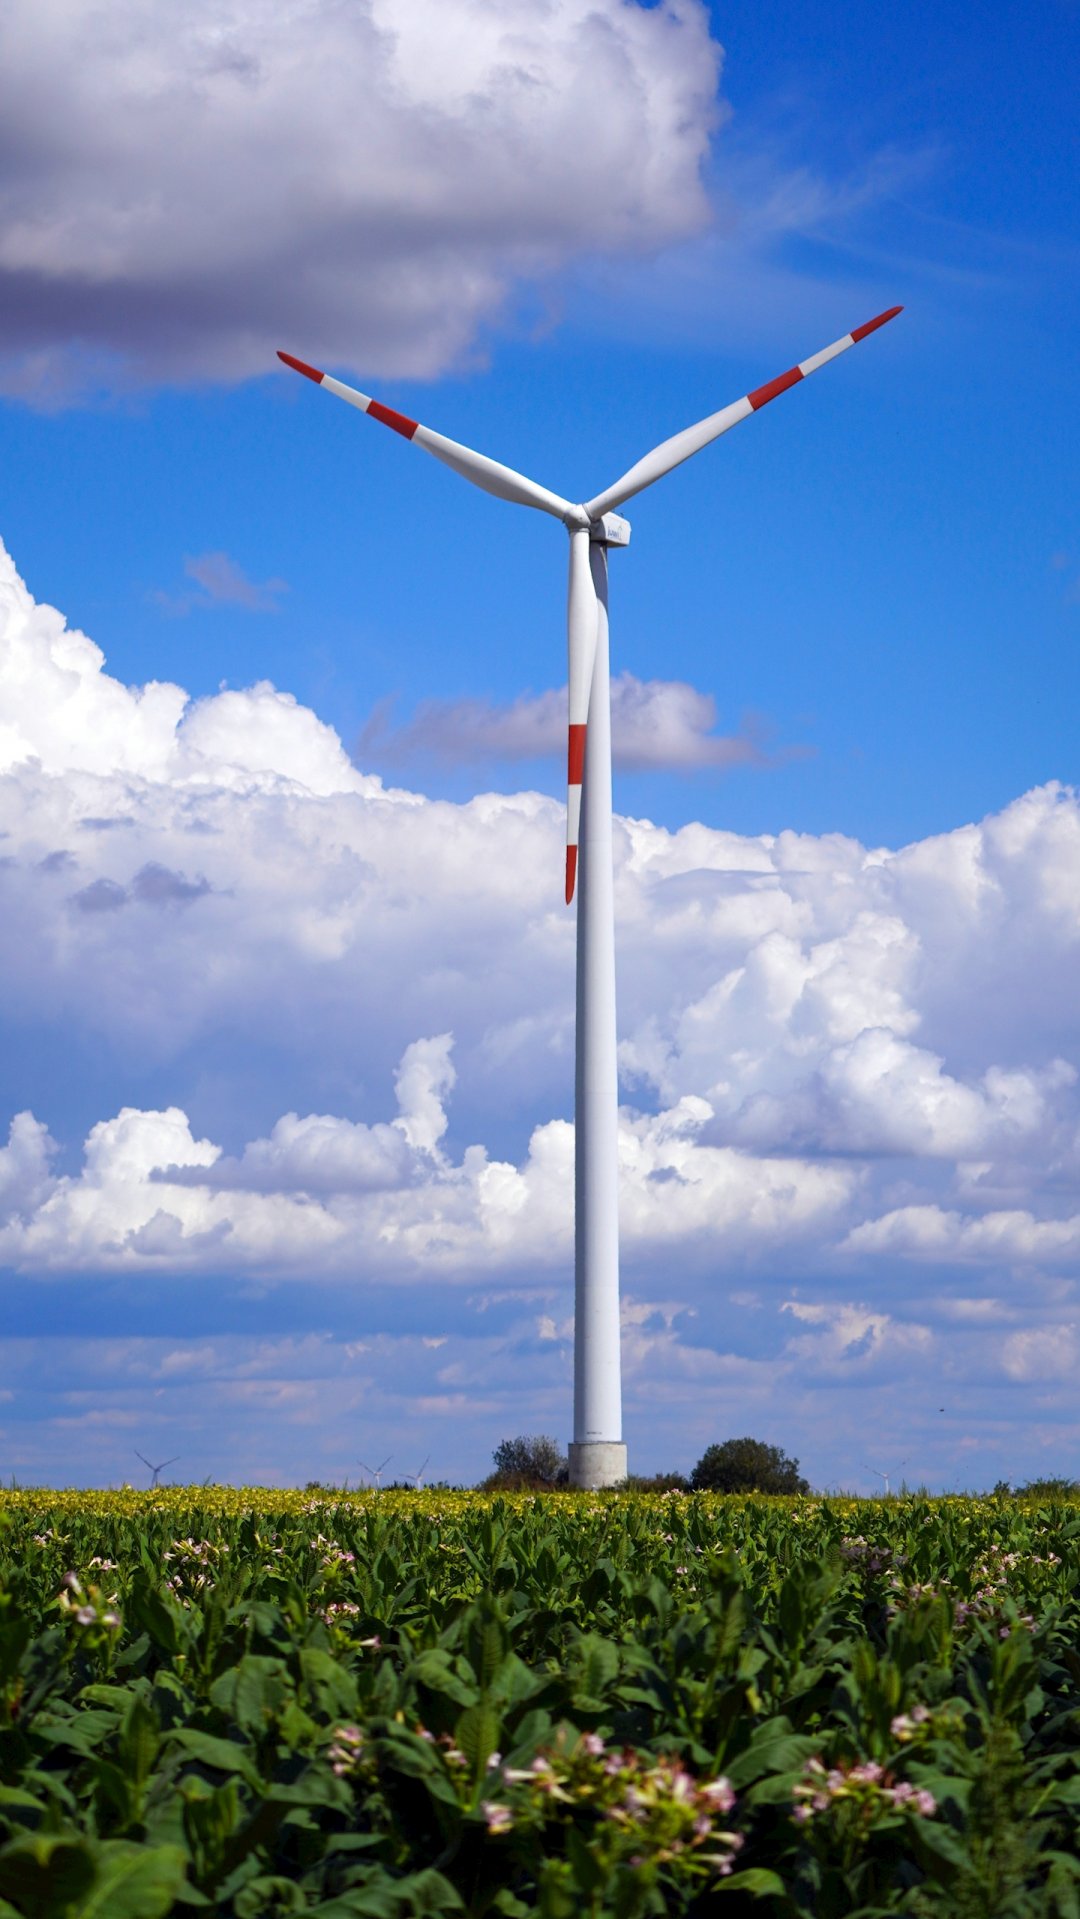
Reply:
x=597, y=1454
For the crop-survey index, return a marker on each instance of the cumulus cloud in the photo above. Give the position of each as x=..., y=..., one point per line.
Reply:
x=62, y=714
x=329, y=1025
x=325, y=1197
x=935, y=1233
x=188, y=189
x=654, y=723
x=25, y=1167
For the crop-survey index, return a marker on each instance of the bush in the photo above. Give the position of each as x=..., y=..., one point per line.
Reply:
x=525, y=1462
x=1048, y=1489
x=746, y=1466
x=656, y=1483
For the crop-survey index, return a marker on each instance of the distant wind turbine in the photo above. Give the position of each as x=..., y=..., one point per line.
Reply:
x=156, y=1470
x=885, y=1476
x=597, y=1454
x=376, y=1472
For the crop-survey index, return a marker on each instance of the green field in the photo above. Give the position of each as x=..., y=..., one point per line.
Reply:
x=259, y=1703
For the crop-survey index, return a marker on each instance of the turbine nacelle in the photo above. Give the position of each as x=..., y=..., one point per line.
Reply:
x=609, y=530
x=604, y=529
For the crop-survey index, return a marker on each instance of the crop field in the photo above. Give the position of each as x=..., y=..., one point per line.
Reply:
x=257, y=1703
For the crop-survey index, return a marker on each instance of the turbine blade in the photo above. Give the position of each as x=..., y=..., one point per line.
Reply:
x=490, y=475
x=682, y=446
x=581, y=638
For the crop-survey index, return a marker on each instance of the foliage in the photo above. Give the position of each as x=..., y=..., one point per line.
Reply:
x=259, y=1703
x=656, y=1483
x=537, y=1460
x=747, y=1466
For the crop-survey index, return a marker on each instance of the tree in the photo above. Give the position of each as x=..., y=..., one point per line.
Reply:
x=746, y=1466
x=524, y=1458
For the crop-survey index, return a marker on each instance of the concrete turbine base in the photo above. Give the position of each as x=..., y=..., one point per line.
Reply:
x=595, y=1463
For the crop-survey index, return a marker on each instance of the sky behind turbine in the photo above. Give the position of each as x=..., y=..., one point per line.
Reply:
x=287, y=1007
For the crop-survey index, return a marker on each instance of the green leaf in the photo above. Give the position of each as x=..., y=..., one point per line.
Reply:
x=15, y=1796
x=147, y=1611
x=774, y=1747
x=594, y=1664
x=222, y=1755
x=434, y=1671
x=588, y=1873
x=140, y=1739
x=134, y=1882
x=45, y=1874
x=269, y=1895
x=253, y=1692
x=331, y=1684
x=477, y=1735
x=756, y=1880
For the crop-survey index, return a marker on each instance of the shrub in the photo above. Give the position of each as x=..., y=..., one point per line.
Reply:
x=746, y=1466
x=528, y=1461
x=656, y=1483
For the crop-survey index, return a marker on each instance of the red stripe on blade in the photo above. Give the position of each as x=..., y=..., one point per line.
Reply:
x=575, y=758
x=763, y=394
x=860, y=332
x=301, y=366
x=399, y=421
x=571, y=872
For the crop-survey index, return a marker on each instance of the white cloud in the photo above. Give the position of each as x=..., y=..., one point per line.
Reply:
x=1042, y=1353
x=849, y=1334
x=322, y=1197
x=196, y=187
x=423, y=1080
x=62, y=715
x=838, y=1061
x=934, y=1233
x=25, y=1167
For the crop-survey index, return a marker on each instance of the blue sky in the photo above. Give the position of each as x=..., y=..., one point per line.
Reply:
x=877, y=583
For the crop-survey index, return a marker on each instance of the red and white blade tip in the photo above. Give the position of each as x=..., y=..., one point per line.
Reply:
x=871, y=326
x=571, y=872
x=772, y=388
x=301, y=366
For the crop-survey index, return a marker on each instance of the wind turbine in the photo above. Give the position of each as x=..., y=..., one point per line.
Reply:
x=597, y=1454
x=376, y=1472
x=156, y=1470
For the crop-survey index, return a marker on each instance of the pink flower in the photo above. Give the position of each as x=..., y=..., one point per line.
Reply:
x=718, y=1794
x=868, y=1774
x=499, y=1817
